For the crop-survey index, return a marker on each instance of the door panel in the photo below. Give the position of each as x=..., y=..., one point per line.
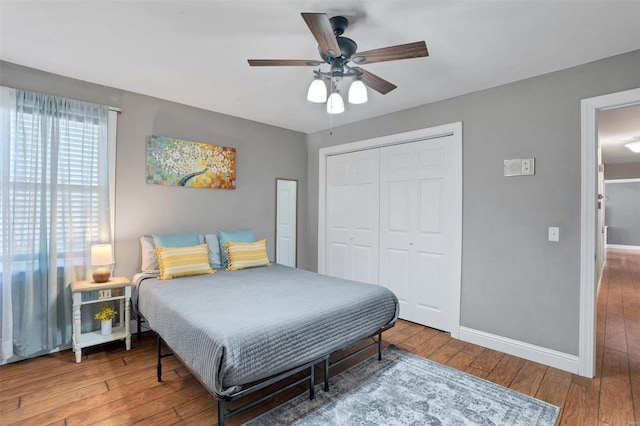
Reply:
x=396, y=274
x=337, y=262
x=364, y=262
x=284, y=249
x=353, y=191
x=363, y=217
x=429, y=158
x=428, y=275
x=398, y=205
x=427, y=187
x=428, y=205
x=396, y=224
x=338, y=214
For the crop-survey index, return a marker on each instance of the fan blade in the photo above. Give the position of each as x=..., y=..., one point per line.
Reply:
x=321, y=29
x=376, y=83
x=284, y=62
x=392, y=53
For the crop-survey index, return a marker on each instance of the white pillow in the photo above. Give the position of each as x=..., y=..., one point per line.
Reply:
x=149, y=261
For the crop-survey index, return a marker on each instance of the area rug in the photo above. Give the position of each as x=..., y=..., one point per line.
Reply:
x=405, y=389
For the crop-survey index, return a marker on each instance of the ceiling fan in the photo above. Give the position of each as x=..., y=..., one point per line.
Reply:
x=338, y=52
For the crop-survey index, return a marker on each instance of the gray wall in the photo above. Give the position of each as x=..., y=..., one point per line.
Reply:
x=515, y=283
x=263, y=153
x=622, y=170
x=622, y=213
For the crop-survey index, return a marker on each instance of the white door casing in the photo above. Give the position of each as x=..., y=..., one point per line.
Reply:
x=352, y=216
x=417, y=190
x=286, y=220
x=453, y=131
x=588, y=220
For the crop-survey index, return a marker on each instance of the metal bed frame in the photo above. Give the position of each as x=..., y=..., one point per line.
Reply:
x=225, y=411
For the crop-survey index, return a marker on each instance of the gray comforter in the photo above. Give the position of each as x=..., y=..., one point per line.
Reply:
x=232, y=328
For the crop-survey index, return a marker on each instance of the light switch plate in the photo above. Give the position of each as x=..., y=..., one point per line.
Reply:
x=554, y=233
x=519, y=167
x=513, y=167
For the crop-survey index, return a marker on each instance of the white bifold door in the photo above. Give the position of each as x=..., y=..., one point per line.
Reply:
x=418, y=229
x=352, y=221
x=393, y=218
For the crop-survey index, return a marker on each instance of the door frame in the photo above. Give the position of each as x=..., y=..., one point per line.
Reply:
x=451, y=129
x=588, y=221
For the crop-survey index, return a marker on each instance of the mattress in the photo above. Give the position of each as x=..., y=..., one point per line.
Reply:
x=233, y=328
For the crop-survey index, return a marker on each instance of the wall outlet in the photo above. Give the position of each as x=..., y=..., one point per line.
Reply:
x=554, y=233
x=528, y=165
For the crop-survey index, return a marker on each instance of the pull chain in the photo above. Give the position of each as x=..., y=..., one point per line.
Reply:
x=330, y=124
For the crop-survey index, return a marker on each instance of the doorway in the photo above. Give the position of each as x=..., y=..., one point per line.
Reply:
x=588, y=220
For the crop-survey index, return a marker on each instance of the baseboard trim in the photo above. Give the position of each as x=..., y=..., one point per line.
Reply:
x=550, y=357
x=133, y=329
x=623, y=247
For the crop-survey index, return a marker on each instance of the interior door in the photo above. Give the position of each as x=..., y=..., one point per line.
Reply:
x=417, y=229
x=352, y=212
x=286, y=222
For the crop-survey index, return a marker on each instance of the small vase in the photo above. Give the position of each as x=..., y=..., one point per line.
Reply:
x=106, y=328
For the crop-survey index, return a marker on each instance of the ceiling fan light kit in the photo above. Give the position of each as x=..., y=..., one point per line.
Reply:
x=338, y=51
x=335, y=104
x=317, y=91
x=357, y=92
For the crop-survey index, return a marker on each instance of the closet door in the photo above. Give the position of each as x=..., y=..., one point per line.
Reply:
x=417, y=185
x=352, y=216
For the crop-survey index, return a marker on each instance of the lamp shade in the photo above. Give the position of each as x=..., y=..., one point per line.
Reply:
x=357, y=92
x=335, y=104
x=101, y=254
x=317, y=91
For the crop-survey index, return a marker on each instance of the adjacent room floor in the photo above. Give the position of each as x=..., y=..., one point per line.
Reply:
x=113, y=386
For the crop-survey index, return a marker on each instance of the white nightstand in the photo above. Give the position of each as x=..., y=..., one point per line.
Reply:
x=88, y=292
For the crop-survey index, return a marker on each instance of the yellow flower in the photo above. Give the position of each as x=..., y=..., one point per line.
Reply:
x=107, y=313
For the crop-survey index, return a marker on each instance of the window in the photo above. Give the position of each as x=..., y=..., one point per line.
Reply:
x=78, y=205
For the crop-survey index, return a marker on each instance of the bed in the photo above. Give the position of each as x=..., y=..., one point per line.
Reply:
x=260, y=324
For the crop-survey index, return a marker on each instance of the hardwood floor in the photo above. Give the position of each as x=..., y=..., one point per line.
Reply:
x=113, y=386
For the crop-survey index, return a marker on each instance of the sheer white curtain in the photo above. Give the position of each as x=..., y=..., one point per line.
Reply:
x=54, y=180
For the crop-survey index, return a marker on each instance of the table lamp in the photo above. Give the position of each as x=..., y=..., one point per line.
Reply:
x=101, y=255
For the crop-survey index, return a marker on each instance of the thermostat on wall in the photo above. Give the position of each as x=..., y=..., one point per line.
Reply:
x=519, y=167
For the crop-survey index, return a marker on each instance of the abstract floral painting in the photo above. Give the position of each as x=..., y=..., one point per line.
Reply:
x=178, y=162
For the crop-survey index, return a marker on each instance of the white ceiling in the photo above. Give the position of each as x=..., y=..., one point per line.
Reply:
x=195, y=52
x=617, y=127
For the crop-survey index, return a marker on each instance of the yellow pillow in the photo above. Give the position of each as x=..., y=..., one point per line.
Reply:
x=177, y=262
x=246, y=255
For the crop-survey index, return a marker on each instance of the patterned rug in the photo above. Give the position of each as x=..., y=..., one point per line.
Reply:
x=405, y=389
